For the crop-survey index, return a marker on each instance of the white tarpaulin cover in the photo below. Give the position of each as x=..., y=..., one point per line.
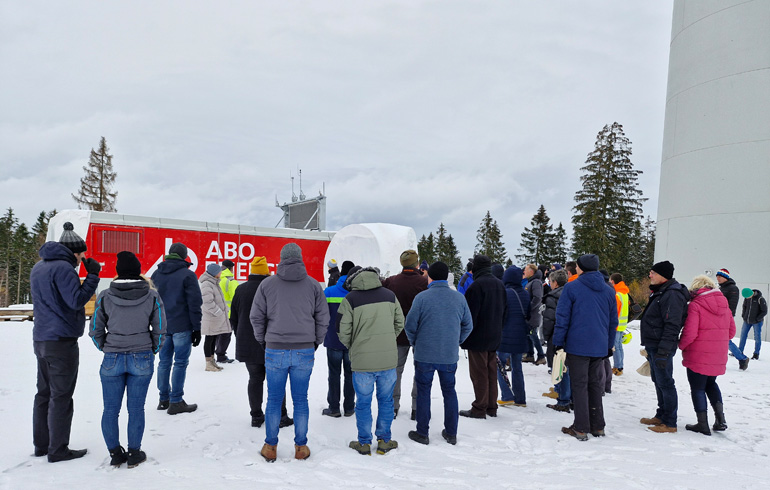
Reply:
x=372, y=244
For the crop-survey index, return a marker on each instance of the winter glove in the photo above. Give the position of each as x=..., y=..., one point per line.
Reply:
x=315, y=346
x=609, y=353
x=92, y=266
x=196, y=338
x=557, y=348
x=661, y=360
x=263, y=344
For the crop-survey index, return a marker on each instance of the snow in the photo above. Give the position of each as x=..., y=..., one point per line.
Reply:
x=216, y=447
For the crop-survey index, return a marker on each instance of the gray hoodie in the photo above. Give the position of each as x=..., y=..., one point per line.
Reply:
x=289, y=310
x=128, y=317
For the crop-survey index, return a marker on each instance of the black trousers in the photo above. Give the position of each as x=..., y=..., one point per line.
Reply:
x=223, y=342
x=57, y=373
x=256, y=390
x=586, y=376
x=209, y=341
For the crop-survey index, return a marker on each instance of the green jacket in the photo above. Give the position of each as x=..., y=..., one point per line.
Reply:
x=368, y=321
x=228, y=285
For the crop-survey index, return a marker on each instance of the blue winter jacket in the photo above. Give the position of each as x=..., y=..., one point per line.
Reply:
x=586, y=316
x=515, y=326
x=58, y=298
x=181, y=295
x=438, y=322
x=465, y=282
x=334, y=295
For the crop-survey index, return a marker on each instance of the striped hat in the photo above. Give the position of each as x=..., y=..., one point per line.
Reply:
x=72, y=240
x=332, y=264
x=724, y=273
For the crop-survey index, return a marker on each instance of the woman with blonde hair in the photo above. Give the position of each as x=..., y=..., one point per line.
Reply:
x=705, y=335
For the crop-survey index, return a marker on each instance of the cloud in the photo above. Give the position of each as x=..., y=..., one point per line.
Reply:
x=413, y=112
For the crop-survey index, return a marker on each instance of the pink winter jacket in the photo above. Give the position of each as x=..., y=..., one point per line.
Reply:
x=707, y=332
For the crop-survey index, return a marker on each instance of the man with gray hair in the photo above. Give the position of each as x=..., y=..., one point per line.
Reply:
x=290, y=317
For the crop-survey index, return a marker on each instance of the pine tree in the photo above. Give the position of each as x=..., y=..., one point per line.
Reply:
x=558, y=246
x=95, y=191
x=535, y=241
x=489, y=240
x=609, y=204
x=426, y=248
x=446, y=252
x=8, y=224
x=40, y=228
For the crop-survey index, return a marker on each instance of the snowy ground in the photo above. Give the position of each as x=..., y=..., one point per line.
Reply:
x=522, y=448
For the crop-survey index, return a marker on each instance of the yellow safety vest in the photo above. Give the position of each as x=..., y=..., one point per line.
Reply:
x=623, y=317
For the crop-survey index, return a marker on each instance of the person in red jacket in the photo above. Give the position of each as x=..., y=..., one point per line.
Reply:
x=708, y=328
x=406, y=285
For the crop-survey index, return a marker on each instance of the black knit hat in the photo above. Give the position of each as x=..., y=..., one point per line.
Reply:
x=228, y=264
x=178, y=248
x=346, y=266
x=438, y=271
x=72, y=240
x=588, y=262
x=128, y=266
x=665, y=269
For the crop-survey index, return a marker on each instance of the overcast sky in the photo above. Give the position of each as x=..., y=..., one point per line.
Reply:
x=411, y=112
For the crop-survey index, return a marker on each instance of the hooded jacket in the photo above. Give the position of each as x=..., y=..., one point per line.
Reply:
x=487, y=302
x=586, y=316
x=368, y=321
x=730, y=291
x=407, y=285
x=551, y=300
x=178, y=287
x=438, y=323
x=535, y=290
x=128, y=317
x=228, y=285
x=334, y=295
x=58, y=298
x=214, y=309
x=754, y=308
x=515, y=326
x=707, y=330
x=247, y=349
x=664, y=316
x=289, y=309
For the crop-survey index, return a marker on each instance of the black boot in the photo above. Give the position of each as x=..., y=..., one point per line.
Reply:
x=118, y=456
x=702, y=426
x=181, y=407
x=720, y=423
x=136, y=456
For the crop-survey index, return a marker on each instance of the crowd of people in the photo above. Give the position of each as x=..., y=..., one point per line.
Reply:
x=368, y=325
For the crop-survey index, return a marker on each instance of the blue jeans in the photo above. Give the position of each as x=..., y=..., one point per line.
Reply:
x=757, y=335
x=128, y=372
x=364, y=384
x=423, y=376
x=176, y=347
x=534, y=342
x=617, y=356
x=339, y=361
x=735, y=351
x=702, y=386
x=564, y=391
x=516, y=391
x=664, y=387
x=297, y=365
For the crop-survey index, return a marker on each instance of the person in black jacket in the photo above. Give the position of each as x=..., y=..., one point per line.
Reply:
x=487, y=301
x=754, y=312
x=247, y=349
x=662, y=321
x=181, y=294
x=730, y=291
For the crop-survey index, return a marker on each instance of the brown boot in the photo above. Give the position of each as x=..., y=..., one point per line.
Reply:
x=652, y=421
x=301, y=452
x=269, y=452
x=662, y=429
